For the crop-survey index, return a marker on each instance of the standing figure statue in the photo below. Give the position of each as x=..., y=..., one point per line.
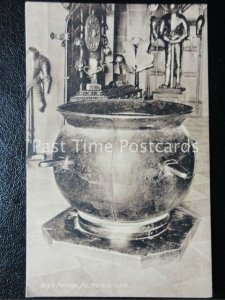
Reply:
x=38, y=76
x=37, y=86
x=173, y=30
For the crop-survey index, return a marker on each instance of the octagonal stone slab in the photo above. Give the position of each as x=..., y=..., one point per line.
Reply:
x=64, y=233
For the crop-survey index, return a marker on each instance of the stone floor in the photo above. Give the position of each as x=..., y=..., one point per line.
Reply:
x=54, y=272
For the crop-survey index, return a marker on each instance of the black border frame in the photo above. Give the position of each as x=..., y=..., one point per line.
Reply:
x=12, y=144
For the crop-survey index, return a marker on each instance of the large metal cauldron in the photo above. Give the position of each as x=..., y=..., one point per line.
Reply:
x=105, y=167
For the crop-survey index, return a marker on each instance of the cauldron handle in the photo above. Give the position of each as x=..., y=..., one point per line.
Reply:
x=173, y=166
x=63, y=162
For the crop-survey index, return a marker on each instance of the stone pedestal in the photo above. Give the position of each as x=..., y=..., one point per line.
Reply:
x=88, y=95
x=168, y=94
x=93, y=87
x=64, y=233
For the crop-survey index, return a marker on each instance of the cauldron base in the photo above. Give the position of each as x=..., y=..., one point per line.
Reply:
x=170, y=245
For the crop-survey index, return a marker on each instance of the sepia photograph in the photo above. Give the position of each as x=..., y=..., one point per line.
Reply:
x=117, y=150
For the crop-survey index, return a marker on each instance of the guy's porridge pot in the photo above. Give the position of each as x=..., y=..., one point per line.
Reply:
x=124, y=164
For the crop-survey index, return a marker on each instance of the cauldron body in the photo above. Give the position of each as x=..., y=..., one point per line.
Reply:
x=108, y=170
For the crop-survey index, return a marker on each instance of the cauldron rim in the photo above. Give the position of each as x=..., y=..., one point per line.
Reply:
x=61, y=108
